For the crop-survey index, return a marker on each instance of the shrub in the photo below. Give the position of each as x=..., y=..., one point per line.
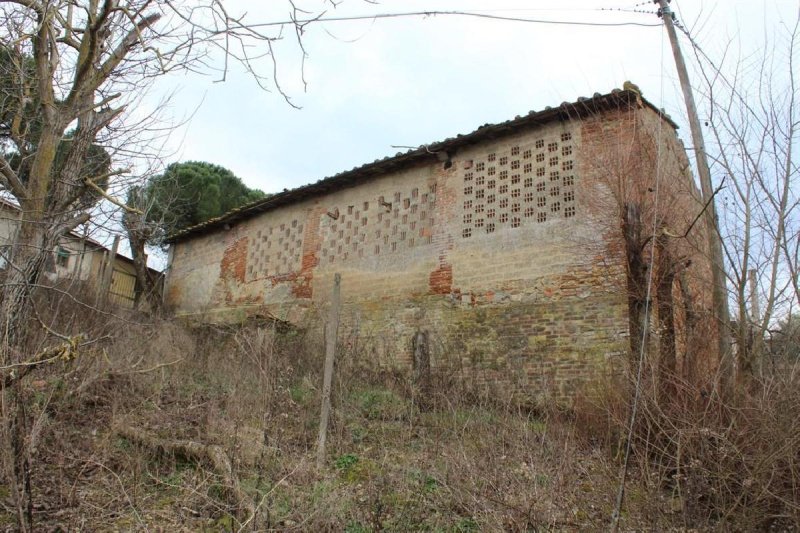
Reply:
x=729, y=463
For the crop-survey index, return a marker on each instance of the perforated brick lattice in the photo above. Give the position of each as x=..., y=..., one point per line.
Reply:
x=275, y=250
x=387, y=224
x=527, y=184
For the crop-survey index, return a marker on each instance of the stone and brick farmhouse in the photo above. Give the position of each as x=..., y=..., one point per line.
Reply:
x=503, y=245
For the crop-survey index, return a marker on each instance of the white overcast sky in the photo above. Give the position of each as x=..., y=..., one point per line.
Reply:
x=411, y=81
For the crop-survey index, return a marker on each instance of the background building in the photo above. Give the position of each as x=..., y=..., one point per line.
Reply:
x=77, y=258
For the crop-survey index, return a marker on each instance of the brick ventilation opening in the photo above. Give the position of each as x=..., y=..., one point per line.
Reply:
x=388, y=228
x=542, y=176
x=275, y=250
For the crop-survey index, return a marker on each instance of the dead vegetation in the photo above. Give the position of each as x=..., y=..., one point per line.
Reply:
x=166, y=427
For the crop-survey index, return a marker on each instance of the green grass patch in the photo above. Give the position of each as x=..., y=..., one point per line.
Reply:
x=346, y=462
x=381, y=404
x=356, y=527
x=300, y=394
x=466, y=525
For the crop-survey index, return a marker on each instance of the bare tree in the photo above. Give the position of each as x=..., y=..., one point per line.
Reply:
x=753, y=117
x=140, y=231
x=72, y=73
x=75, y=66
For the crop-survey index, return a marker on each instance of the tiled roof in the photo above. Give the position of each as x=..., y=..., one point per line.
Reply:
x=568, y=110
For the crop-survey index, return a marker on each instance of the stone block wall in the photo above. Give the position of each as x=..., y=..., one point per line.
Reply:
x=494, y=253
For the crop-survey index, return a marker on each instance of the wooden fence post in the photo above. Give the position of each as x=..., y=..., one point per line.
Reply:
x=108, y=270
x=330, y=353
x=422, y=369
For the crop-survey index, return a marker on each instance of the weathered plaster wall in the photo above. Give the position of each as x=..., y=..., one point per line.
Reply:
x=493, y=253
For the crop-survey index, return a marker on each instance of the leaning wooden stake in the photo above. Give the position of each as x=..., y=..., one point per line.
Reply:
x=422, y=369
x=330, y=353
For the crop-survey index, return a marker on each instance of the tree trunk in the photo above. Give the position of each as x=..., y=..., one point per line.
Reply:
x=146, y=284
x=32, y=242
x=30, y=252
x=636, y=281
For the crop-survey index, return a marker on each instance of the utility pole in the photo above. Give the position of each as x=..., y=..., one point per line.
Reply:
x=718, y=277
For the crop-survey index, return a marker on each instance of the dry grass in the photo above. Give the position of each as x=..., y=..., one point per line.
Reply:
x=730, y=463
x=466, y=464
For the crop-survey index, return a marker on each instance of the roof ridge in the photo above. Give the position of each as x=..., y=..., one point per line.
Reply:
x=565, y=111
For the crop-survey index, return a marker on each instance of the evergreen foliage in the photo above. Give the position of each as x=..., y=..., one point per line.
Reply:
x=192, y=192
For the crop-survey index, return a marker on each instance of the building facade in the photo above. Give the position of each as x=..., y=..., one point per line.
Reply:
x=77, y=258
x=502, y=245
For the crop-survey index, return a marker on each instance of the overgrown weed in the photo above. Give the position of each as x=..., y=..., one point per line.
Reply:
x=465, y=459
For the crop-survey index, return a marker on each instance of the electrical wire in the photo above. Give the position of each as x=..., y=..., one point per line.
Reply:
x=629, y=10
x=449, y=13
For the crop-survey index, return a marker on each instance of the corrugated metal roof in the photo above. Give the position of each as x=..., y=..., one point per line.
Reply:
x=566, y=111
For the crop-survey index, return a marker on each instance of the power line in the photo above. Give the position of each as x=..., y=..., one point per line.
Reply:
x=450, y=13
x=629, y=10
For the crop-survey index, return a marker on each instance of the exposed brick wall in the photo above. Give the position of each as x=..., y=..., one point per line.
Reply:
x=657, y=177
x=497, y=253
x=441, y=279
x=234, y=261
